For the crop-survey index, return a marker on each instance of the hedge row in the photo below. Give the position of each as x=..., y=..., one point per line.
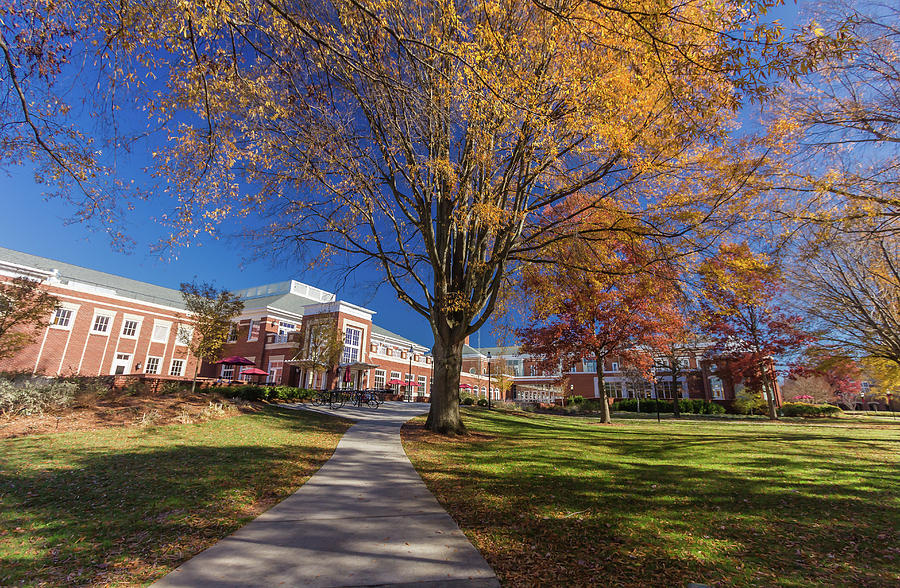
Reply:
x=802, y=409
x=685, y=405
x=270, y=393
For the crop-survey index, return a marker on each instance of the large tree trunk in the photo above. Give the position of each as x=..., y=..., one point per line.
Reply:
x=444, y=416
x=604, y=398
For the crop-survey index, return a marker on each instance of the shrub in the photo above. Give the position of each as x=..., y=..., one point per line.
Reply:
x=136, y=388
x=247, y=392
x=468, y=401
x=685, y=405
x=171, y=388
x=482, y=402
x=577, y=400
x=29, y=398
x=802, y=409
x=747, y=403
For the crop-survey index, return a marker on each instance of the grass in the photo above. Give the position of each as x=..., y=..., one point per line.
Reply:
x=553, y=500
x=127, y=505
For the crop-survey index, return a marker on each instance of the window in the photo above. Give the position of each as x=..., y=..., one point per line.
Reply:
x=421, y=390
x=533, y=370
x=152, y=365
x=395, y=375
x=177, y=367
x=663, y=389
x=865, y=387
x=613, y=389
x=351, y=345
x=101, y=324
x=284, y=328
x=130, y=328
x=160, y=331
x=185, y=335
x=379, y=378
x=615, y=366
x=718, y=390
x=232, y=334
x=253, y=331
x=276, y=366
x=484, y=391
x=62, y=317
x=590, y=366
x=227, y=372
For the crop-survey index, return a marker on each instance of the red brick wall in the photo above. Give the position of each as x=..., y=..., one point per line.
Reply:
x=76, y=350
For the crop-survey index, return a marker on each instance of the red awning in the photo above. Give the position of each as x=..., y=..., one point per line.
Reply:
x=254, y=372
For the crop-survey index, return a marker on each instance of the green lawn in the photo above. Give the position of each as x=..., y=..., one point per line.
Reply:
x=553, y=500
x=126, y=505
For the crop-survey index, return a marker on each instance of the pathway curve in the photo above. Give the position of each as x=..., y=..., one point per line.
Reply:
x=364, y=519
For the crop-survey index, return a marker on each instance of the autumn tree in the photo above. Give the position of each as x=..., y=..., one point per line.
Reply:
x=842, y=116
x=426, y=138
x=849, y=287
x=54, y=125
x=739, y=310
x=25, y=310
x=598, y=301
x=675, y=341
x=212, y=312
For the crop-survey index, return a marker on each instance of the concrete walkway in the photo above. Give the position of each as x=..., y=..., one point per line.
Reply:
x=364, y=519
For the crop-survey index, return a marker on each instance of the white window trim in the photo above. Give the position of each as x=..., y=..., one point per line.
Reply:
x=178, y=340
x=137, y=329
x=159, y=323
x=111, y=315
x=250, y=336
x=64, y=306
x=159, y=365
x=172, y=364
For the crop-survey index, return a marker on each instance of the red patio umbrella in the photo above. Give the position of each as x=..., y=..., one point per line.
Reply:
x=235, y=360
x=466, y=386
x=254, y=372
x=396, y=382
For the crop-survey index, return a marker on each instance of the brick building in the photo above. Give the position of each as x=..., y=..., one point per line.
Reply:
x=525, y=378
x=105, y=324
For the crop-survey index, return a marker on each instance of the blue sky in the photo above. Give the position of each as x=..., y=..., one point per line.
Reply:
x=35, y=225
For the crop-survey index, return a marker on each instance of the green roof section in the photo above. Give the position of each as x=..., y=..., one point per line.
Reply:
x=74, y=274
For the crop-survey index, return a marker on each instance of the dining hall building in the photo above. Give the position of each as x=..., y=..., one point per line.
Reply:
x=110, y=325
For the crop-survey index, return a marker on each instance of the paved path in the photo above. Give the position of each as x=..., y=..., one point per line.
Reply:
x=364, y=519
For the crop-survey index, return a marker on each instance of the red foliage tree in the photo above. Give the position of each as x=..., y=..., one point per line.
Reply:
x=739, y=311
x=604, y=300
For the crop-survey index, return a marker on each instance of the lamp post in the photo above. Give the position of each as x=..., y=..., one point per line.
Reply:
x=489, y=380
x=890, y=405
x=409, y=374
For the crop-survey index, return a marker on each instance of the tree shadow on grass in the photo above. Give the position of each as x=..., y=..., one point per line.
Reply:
x=96, y=513
x=663, y=508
